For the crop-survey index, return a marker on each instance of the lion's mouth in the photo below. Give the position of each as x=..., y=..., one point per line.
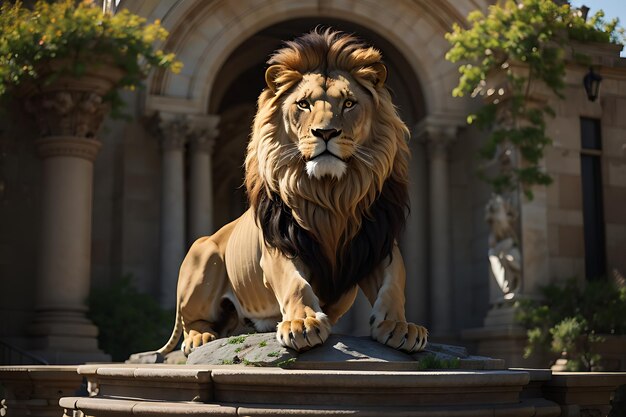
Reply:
x=326, y=152
x=326, y=164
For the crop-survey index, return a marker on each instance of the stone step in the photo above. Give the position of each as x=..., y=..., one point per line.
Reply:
x=106, y=407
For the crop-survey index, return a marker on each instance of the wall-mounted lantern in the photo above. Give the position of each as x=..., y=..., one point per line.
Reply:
x=592, y=84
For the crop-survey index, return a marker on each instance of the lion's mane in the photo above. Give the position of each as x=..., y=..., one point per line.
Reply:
x=340, y=229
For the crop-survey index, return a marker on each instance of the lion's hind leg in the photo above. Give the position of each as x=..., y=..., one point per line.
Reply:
x=202, y=287
x=202, y=332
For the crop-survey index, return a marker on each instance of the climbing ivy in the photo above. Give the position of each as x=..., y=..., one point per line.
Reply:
x=521, y=42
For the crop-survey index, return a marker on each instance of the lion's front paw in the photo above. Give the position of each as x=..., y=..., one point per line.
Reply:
x=399, y=335
x=195, y=339
x=302, y=334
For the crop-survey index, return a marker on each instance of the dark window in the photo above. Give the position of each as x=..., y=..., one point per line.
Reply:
x=593, y=207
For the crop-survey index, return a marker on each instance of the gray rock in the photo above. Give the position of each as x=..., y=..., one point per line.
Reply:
x=338, y=352
x=258, y=349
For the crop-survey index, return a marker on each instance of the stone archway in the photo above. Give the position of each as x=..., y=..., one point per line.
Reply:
x=234, y=94
x=205, y=36
x=241, y=79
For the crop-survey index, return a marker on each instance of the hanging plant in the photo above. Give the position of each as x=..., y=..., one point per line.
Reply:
x=64, y=38
x=520, y=43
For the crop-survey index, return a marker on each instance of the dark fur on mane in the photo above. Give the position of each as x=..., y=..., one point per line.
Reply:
x=373, y=243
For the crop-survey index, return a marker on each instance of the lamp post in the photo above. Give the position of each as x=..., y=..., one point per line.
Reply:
x=591, y=81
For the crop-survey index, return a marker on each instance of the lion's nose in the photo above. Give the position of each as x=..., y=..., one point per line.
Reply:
x=326, y=134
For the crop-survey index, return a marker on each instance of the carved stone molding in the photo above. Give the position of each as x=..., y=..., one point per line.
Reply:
x=174, y=130
x=438, y=144
x=436, y=135
x=71, y=105
x=68, y=113
x=203, y=132
x=202, y=143
x=170, y=129
x=68, y=146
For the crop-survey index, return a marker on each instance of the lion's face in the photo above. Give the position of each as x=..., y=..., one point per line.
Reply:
x=328, y=118
x=327, y=141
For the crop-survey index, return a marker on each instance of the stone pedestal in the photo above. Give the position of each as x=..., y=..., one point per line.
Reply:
x=345, y=376
x=239, y=390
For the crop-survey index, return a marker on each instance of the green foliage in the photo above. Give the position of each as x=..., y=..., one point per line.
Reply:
x=287, y=363
x=79, y=32
x=237, y=339
x=263, y=343
x=570, y=319
x=128, y=321
x=522, y=43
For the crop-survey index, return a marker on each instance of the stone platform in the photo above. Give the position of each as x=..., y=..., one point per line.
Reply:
x=353, y=376
x=126, y=390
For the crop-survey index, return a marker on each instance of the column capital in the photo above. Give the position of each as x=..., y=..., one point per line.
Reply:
x=171, y=129
x=68, y=113
x=437, y=134
x=202, y=132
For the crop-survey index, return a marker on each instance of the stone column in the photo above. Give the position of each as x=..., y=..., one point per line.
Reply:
x=437, y=139
x=414, y=243
x=172, y=132
x=68, y=121
x=202, y=137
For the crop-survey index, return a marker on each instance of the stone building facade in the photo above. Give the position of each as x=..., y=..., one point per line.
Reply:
x=174, y=172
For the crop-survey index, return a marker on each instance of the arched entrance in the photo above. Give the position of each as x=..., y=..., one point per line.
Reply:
x=234, y=94
x=241, y=79
x=224, y=46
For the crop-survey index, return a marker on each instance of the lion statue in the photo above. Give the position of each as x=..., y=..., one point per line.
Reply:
x=326, y=177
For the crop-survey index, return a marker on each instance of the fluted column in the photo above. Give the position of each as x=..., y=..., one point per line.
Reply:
x=172, y=132
x=437, y=139
x=203, y=132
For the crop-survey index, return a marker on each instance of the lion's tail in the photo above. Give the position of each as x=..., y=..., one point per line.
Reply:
x=175, y=336
x=158, y=356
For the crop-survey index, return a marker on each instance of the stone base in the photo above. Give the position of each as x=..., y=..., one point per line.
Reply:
x=64, y=338
x=127, y=390
x=227, y=390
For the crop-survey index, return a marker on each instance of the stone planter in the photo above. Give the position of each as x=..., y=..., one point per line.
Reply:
x=69, y=112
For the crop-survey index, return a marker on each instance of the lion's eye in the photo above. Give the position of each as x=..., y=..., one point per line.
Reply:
x=348, y=104
x=303, y=104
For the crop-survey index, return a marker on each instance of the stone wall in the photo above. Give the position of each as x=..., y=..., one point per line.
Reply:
x=19, y=220
x=469, y=232
x=563, y=161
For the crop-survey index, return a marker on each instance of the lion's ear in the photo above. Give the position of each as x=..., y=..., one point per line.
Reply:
x=381, y=74
x=270, y=77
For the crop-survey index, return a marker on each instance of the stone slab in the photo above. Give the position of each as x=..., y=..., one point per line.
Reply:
x=339, y=352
